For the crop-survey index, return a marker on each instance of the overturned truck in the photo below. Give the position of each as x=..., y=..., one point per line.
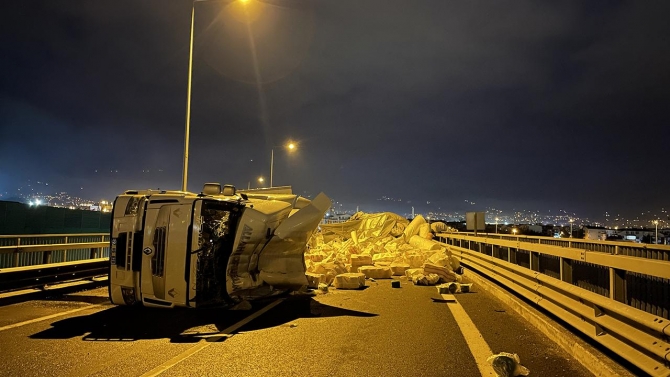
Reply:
x=216, y=248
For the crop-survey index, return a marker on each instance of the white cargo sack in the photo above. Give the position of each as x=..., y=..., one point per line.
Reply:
x=351, y=280
x=399, y=269
x=374, y=272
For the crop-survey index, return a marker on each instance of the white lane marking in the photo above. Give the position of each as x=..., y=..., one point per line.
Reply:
x=202, y=345
x=478, y=347
x=3, y=328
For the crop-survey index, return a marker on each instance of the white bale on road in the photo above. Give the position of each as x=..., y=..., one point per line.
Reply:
x=351, y=280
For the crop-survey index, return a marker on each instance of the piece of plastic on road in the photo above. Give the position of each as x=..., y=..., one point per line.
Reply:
x=507, y=365
x=448, y=288
x=374, y=272
x=446, y=274
x=427, y=279
x=351, y=280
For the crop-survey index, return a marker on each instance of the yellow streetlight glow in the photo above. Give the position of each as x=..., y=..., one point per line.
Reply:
x=260, y=179
x=291, y=146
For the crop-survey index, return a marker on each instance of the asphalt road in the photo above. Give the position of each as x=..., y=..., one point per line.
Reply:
x=377, y=331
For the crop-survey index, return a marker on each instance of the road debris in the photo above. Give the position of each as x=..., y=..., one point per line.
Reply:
x=379, y=246
x=508, y=365
x=350, y=280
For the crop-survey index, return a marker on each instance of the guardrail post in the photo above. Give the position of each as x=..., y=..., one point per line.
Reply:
x=534, y=261
x=46, y=257
x=94, y=253
x=618, y=285
x=495, y=251
x=566, y=270
x=16, y=253
x=511, y=255
x=65, y=251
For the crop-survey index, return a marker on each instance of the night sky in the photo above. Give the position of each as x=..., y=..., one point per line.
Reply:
x=534, y=105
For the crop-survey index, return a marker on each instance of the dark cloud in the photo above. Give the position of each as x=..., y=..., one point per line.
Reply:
x=536, y=105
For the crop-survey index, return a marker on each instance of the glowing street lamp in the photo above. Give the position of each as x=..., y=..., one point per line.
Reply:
x=655, y=222
x=291, y=146
x=496, y=225
x=571, y=221
x=261, y=180
x=514, y=230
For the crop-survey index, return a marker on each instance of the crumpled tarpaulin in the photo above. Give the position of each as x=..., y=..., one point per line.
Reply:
x=366, y=225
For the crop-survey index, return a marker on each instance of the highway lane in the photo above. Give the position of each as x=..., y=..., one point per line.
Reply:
x=376, y=331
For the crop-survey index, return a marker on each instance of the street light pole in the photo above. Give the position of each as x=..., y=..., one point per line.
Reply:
x=571, y=221
x=496, y=225
x=656, y=239
x=290, y=146
x=272, y=164
x=188, y=102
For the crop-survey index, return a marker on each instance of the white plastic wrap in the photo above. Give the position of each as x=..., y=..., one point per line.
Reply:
x=399, y=269
x=445, y=273
x=376, y=272
x=351, y=280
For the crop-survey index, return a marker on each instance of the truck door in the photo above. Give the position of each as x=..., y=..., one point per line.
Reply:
x=164, y=257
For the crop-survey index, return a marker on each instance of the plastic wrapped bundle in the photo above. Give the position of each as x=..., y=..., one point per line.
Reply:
x=508, y=365
x=445, y=273
x=413, y=228
x=360, y=260
x=439, y=227
x=424, y=231
x=413, y=259
x=411, y=272
x=424, y=244
x=384, y=257
x=439, y=259
x=399, y=269
x=428, y=279
x=352, y=280
x=375, y=272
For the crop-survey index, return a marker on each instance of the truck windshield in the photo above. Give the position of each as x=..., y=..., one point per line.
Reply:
x=215, y=243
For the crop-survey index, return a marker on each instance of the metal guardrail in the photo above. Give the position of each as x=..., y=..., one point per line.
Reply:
x=39, y=276
x=28, y=261
x=30, y=250
x=650, y=251
x=621, y=301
